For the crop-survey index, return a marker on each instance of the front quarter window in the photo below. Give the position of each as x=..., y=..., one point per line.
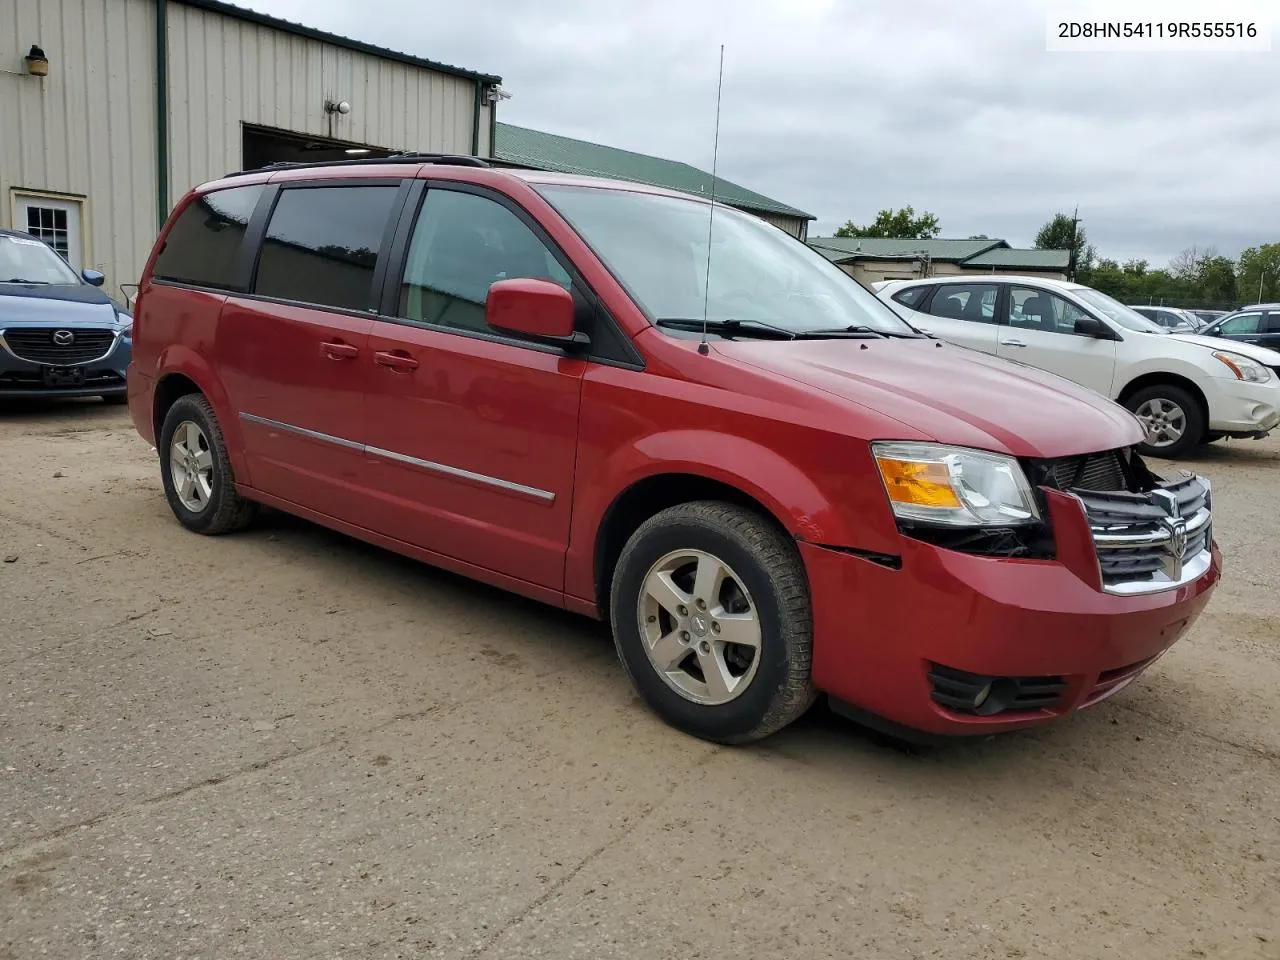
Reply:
x=656, y=246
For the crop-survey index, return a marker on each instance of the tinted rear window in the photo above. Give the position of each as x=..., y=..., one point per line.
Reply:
x=912, y=296
x=322, y=245
x=204, y=245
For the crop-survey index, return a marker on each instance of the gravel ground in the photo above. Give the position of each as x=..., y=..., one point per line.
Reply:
x=289, y=744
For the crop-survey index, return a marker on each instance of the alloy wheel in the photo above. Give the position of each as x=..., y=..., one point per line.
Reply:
x=700, y=627
x=191, y=466
x=1164, y=421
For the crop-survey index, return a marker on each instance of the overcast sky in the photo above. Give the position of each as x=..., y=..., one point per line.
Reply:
x=842, y=108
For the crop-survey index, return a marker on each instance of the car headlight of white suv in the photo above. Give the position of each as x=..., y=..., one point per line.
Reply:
x=1242, y=367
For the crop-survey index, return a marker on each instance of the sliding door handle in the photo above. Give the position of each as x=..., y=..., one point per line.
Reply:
x=1012, y=343
x=337, y=350
x=399, y=362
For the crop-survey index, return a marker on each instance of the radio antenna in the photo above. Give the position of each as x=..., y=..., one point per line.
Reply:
x=711, y=217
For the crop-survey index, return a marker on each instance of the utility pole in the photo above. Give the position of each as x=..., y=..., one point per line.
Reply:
x=1075, y=234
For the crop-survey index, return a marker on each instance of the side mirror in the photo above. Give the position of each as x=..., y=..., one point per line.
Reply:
x=1092, y=327
x=94, y=277
x=538, y=309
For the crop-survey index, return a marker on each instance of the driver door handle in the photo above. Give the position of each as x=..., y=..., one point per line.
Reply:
x=1012, y=343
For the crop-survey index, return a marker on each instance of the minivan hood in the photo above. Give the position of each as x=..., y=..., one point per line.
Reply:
x=951, y=394
x=55, y=305
x=1266, y=357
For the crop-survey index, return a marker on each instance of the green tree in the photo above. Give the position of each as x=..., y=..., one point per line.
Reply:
x=1259, y=274
x=1062, y=233
x=897, y=224
x=1216, y=280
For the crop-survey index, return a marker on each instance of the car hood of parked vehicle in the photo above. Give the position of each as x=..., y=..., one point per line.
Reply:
x=951, y=394
x=1270, y=358
x=64, y=305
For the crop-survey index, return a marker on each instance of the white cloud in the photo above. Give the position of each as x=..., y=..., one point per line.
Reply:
x=843, y=107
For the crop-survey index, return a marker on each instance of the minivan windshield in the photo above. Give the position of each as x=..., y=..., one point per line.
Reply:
x=761, y=278
x=1115, y=310
x=30, y=261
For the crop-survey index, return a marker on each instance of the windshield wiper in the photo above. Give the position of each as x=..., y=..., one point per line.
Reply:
x=731, y=327
x=20, y=280
x=854, y=332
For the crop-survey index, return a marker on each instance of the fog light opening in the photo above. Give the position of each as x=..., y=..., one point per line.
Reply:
x=981, y=696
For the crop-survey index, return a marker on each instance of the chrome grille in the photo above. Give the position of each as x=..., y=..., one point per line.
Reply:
x=59, y=346
x=1154, y=540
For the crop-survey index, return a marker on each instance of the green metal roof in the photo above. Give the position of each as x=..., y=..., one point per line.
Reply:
x=990, y=253
x=1022, y=259
x=874, y=248
x=523, y=147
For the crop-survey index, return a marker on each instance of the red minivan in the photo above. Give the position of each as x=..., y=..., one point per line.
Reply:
x=625, y=402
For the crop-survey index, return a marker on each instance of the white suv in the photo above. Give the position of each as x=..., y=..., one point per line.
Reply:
x=1186, y=389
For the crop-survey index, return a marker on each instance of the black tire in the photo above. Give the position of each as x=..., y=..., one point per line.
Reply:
x=1193, y=414
x=115, y=399
x=225, y=510
x=769, y=567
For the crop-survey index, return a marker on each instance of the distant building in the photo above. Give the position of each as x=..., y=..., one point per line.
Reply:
x=110, y=110
x=870, y=259
x=533, y=149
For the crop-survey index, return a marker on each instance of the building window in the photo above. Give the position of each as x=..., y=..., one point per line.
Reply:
x=51, y=226
x=56, y=220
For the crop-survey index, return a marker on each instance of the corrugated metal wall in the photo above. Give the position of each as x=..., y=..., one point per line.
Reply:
x=792, y=225
x=87, y=129
x=225, y=72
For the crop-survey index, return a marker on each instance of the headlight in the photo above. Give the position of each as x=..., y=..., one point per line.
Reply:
x=1244, y=368
x=126, y=325
x=954, y=486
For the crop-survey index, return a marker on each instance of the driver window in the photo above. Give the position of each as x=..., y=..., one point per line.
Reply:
x=1245, y=324
x=1031, y=308
x=462, y=244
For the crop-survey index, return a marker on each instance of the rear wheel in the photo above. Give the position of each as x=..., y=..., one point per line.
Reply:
x=196, y=472
x=711, y=619
x=1172, y=417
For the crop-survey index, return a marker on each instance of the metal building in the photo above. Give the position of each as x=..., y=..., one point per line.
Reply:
x=111, y=109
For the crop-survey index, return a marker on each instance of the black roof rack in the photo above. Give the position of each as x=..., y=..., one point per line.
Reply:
x=449, y=159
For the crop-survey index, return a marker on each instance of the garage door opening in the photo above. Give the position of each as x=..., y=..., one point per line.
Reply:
x=263, y=146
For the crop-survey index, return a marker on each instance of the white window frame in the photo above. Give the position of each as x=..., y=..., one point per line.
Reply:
x=19, y=194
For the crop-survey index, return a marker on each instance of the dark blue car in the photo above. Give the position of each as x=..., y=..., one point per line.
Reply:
x=60, y=334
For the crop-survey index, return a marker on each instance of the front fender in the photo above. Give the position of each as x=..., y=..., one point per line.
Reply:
x=811, y=501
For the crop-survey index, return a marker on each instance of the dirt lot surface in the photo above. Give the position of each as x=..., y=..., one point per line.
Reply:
x=288, y=744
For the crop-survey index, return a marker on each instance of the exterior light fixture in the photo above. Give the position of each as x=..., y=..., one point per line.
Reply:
x=37, y=62
x=337, y=106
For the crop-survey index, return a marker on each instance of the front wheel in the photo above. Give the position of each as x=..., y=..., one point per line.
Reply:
x=712, y=621
x=1172, y=417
